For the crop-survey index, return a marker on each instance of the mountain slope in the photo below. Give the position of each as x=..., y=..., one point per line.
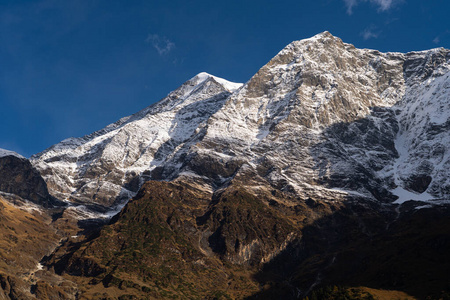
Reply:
x=26, y=236
x=326, y=120
x=19, y=178
x=272, y=188
x=153, y=249
x=279, y=122
x=321, y=120
x=107, y=166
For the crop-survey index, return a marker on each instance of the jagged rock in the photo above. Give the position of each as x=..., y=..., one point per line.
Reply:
x=418, y=182
x=152, y=244
x=18, y=177
x=42, y=290
x=108, y=166
x=282, y=181
x=321, y=119
x=12, y=288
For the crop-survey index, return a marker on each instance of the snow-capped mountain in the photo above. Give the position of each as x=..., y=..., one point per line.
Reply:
x=326, y=120
x=297, y=180
x=4, y=152
x=106, y=167
x=322, y=120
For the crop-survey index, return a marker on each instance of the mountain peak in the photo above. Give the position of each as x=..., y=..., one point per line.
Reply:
x=312, y=92
x=4, y=152
x=324, y=34
x=202, y=76
x=228, y=85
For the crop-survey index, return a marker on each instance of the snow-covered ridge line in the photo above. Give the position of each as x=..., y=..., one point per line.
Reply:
x=327, y=35
x=189, y=86
x=4, y=152
x=230, y=86
x=108, y=163
x=320, y=120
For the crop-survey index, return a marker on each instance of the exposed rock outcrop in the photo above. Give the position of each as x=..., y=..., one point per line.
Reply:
x=325, y=160
x=321, y=119
x=19, y=177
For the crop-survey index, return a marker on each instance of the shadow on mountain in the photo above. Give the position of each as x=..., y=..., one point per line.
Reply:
x=170, y=226
x=190, y=116
x=352, y=153
x=364, y=243
x=352, y=248
x=88, y=226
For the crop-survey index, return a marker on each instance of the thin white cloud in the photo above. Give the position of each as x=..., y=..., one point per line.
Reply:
x=370, y=33
x=162, y=44
x=350, y=4
x=383, y=5
x=441, y=36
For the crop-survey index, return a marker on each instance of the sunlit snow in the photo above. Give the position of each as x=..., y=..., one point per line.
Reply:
x=4, y=152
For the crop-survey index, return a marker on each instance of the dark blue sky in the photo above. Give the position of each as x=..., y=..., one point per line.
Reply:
x=69, y=68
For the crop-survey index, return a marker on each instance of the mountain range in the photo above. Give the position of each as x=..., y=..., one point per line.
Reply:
x=325, y=175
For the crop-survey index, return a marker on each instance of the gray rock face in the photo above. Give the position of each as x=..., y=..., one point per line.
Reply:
x=322, y=120
x=108, y=167
x=325, y=120
x=18, y=177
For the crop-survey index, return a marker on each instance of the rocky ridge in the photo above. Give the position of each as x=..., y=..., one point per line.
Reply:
x=108, y=167
x=322, y=119
x=268, y=189
x=326, y=120
x=18, y=178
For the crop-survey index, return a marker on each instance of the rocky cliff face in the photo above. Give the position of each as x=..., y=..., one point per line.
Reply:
x=108, y=167
x=25, y=237
x=325, y=120
x=18, y=177
x=272, y=187
x=321, y=120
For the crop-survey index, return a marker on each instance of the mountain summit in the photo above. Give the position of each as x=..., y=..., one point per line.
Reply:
x=330, y=166
x=322, y=119
x=108, y=166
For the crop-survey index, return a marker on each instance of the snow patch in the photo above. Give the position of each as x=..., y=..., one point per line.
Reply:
x=81, y=212
x=424, y=206
x=404, y=195
x=4, y=152
x=228, y=85
x=401, y=166
x=39, y=267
